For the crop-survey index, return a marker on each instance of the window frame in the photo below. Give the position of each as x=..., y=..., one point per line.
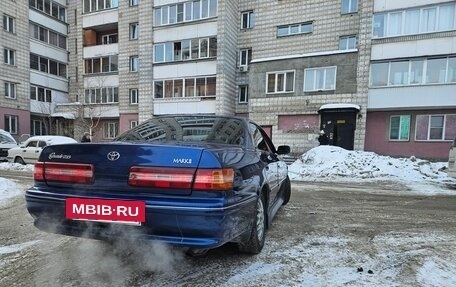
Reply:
x=9, y=56
x=110, y=130
x=352, y=7
x=197, y=89
x=249, y=23
x=248, y=57
x=276, y=78
x=10, y=90
x=302, y=29
x=134, y=31
x=11, y=124
x=399, y=128
x=134, y=2
x=134, y=63
x=315, y=87
x=347, y=42
x=243, y=94
x=134, y=96
x=9, y=23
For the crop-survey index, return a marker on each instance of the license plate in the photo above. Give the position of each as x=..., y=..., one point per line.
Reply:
x=106, y=210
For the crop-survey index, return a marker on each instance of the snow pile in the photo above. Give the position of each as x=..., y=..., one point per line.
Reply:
x=16, y=167
x=336, y=164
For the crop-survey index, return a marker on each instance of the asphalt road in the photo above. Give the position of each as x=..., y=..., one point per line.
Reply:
x=320, y=238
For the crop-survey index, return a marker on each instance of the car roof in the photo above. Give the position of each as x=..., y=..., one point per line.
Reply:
x=52, y=139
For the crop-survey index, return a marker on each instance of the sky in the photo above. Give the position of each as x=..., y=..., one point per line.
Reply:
x=329, y=263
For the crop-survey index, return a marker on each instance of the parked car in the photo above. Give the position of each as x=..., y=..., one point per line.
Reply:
x=29, y=151
x=6, y=142
x=193, y=181
x=452, y=160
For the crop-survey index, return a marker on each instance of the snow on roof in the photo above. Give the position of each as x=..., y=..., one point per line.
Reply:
x=69, y=116
x=339, y=106
x=314, y=54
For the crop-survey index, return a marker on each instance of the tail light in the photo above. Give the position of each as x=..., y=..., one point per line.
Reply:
x=201, y=179
x=63, y=172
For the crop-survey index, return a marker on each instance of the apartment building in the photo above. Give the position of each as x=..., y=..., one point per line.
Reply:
x=35, y=59
x=411, y=100
x=290, y=66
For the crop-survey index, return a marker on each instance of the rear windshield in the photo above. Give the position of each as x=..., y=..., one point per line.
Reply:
x=188, y=129
x=4, y=139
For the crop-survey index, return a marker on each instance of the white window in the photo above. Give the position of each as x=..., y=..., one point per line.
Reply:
x=347, y=42
x=134, y=64
x=243, y=94
x=280, y=82
x=9, y=56
x=436, y=71
x=133, y=96
x=399, y=128
x=40, y=94
x=134, y=31
x=428, y=19
x=294, y=29
x=189, y=87
x=349, y=6
x=134, y=2
x=38, y=128
x=10, y=90
x=320, y=79
x=8, y=23
x=11, y=124
x=245, y=56
x=247, y=20
x=399, y=73
x=109, y=39
x=133, y=124
x=111, y=130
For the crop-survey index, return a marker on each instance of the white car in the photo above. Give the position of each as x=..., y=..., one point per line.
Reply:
x=6, y=142
x=30, y=150
x=452, y=160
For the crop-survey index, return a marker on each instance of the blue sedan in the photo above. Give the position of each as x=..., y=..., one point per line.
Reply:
x=194, y=181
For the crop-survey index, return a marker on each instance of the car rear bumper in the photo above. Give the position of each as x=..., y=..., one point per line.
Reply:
x=189, y=226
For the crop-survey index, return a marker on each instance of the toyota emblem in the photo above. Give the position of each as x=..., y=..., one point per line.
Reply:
x=113, y=156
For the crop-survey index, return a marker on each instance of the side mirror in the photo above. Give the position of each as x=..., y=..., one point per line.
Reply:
x=283, y=149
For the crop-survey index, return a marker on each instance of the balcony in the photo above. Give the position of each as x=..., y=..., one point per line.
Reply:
x=100, y=18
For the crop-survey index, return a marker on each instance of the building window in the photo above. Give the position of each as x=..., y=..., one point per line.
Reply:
x=349, y=6
x=10, y=90
x=134, y=31
x=9, y=56
x=133, y=124
x=243, y=94
x=98, y=5
x=46, y=65
x=134, y=64
x=8, y=23
x=109, y=39
x=184, y=12
x=280, y=82
x=185, y=50
x=38, y=128
x=47, y=36
x=348, y=42
x=134, y=2
x=294, y=29
x=189, y=87
x=11, y=123
x=105, y=95
x=110, y=130
x=40, y=94
x=247, y=20
x=399, y=128
x=320, y=79
x=428, y=19
x=245, y=56
x=106, y=64
x=414, y=72
x=133, y=96
x=435, y=127
x=52, y=8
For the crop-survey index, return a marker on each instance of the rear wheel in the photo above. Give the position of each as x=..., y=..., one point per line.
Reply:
x=19, y=160
x=255, y=241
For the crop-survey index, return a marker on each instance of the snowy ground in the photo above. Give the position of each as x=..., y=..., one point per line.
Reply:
x=334, y=164
x=323, y=259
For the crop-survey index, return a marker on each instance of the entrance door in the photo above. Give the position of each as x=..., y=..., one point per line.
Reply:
x=340, y=127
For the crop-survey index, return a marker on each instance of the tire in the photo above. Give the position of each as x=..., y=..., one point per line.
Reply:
x=286, y=191
x=19, y=160
x=255, y=242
